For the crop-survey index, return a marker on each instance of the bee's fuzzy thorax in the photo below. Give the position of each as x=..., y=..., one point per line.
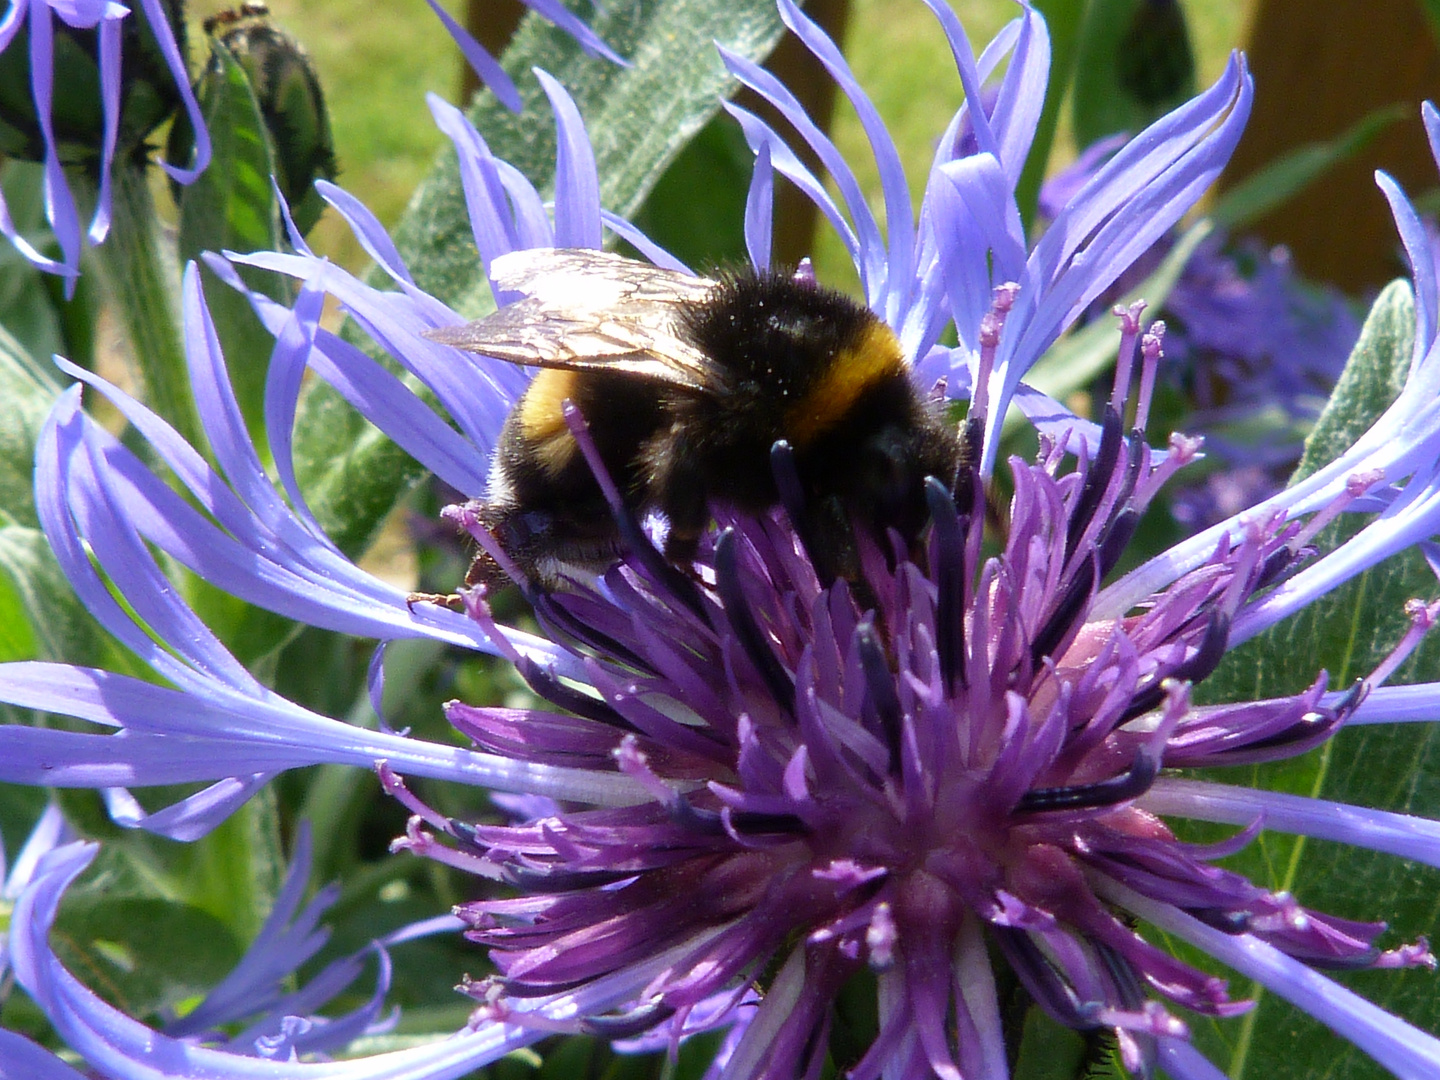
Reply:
x=789, y=355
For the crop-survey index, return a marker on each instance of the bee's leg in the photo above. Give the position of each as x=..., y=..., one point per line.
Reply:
x=484, y=570
x=453, y=601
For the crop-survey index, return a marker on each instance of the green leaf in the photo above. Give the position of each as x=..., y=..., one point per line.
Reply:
x=233, y=876
x=143, y=954
x=1387, y=767
x=28, y=389
x=232, y=206
x=639, y=118
x=1432, y=13
x=236, y=874
x=40, y=614
x=144, y=280
x=26, y=308
x=697, y=210
x=1290, y=173
x=1049, y=1050
x=43, y=617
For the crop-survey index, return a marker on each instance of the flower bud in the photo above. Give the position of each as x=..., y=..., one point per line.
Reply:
x=290, y=99
x=1155, y=64
x=148, y=90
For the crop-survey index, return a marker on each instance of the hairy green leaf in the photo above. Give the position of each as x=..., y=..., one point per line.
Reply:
x=1386, y=767
x=232, y=206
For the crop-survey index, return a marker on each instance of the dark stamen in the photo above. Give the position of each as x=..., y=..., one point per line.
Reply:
x=1309, y=731
x=880, y=688
x=967, y=483
x=1193, y=670
x=1097, y=479
x=547, y=880
x=1051, y=989
x=636, y=542
x=1117, y=538
x=694, y=820
x=949, y=574
x=1207, y=657
x=1222, y=919
x=631, y=1023
x=745, y=822
x=1116, y=534
x=660, y=569
x=1275, y=566
x=545, y=685
x=1130, y=784
x=1134, y=459
x=465, y=834
x=792, y=498
x=1070, y=606
x=1123, y=974
x=564, y=627
x=746, y=629
x=753, y=824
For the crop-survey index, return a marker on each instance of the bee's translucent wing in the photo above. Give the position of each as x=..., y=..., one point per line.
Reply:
x=590, y=310
x=596, y=280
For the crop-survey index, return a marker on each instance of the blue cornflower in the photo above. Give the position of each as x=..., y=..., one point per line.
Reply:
x=756, y=777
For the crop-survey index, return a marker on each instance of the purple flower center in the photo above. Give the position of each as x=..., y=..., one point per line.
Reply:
x=884, y=772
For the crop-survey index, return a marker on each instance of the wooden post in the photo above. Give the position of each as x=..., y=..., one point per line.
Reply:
x=491, y=23
x=1320, y=66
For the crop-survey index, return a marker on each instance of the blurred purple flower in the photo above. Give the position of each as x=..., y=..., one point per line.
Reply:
x=755, y=776
x=1252, y=330
x=1258, y=351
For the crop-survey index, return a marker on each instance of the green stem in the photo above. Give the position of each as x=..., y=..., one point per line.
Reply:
x=1063, y=18
x=144, y=277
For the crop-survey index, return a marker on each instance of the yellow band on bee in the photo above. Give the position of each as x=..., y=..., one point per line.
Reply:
x=875, y=355
x=542, y=420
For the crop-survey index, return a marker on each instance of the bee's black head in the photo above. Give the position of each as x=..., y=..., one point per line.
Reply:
x=890, y=466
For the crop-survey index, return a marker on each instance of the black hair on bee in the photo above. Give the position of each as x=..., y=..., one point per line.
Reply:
x=685, y=384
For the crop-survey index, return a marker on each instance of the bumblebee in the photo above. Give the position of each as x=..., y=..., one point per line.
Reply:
x=686, y=383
